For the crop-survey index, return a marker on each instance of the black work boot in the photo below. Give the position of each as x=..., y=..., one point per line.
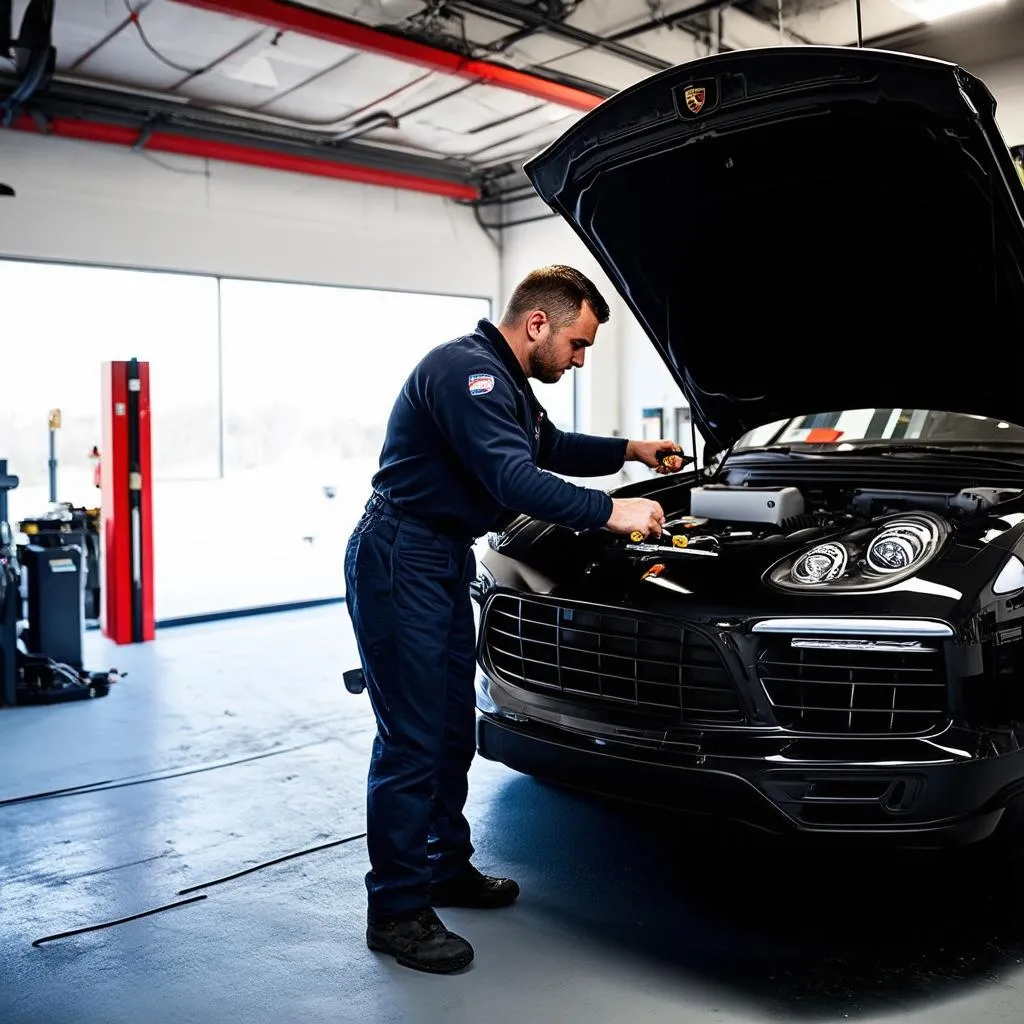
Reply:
x=420, y=941
x=476, y=890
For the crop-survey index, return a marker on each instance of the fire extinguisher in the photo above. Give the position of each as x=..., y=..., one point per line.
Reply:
x=94, y=458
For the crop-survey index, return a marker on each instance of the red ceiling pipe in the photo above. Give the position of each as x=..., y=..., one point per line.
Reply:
x=333, y=28
x=232, y=152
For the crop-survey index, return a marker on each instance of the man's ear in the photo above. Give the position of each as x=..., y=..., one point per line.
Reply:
x=536, y=322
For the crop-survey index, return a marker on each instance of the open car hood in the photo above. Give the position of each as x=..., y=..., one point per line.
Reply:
x=807, y=229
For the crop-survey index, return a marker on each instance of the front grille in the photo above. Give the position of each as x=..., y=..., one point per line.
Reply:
x=612, y=658
x=863, y=686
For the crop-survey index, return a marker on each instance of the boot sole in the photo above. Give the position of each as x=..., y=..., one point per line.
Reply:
x=444, y=967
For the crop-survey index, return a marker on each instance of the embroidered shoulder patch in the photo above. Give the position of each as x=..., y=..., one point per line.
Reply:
x=480, y=383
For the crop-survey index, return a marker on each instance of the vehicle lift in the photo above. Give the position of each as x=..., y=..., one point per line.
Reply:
x=47, y=581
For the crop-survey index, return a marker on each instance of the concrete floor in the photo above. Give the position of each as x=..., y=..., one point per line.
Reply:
x=234, y=744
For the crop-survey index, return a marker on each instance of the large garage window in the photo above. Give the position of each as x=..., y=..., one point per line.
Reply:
x=310, y=375
x=60, y=324
x=269, y=404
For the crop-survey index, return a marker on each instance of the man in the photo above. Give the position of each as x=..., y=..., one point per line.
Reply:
x=466, y=447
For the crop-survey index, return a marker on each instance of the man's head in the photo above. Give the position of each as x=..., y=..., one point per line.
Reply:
x=552, y=318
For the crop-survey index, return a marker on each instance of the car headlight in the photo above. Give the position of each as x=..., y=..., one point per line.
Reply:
x=900, y=545
x=822, y=563
x=864, y=559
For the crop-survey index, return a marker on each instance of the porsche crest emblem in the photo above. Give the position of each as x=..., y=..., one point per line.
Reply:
x=695, y=96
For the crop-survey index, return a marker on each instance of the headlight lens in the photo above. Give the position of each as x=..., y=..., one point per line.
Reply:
x=821, y=564
x=900, y=545
x=864, y=560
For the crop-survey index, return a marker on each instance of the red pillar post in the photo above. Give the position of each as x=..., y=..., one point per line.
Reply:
x=127, y=504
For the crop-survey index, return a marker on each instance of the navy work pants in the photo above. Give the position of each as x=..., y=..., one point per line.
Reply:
x=407, y=592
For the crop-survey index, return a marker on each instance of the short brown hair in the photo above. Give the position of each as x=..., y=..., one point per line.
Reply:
x=560, y=291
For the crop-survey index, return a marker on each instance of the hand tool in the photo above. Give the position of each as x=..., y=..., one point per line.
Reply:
x=664, y=454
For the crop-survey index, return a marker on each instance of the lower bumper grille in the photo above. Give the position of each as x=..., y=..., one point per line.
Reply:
x=609, y=657
x=832, y=798
x=854, y=686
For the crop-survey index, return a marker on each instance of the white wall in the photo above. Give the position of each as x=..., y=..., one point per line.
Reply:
x=94, y=203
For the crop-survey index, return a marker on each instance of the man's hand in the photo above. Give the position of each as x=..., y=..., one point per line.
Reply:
x=647, y=453
x=636, y=515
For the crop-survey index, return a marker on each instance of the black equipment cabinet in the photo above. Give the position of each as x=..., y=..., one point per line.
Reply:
x=53, y=575
x=47, y=585
x=55, y=562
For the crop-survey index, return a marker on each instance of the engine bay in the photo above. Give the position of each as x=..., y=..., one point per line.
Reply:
x=718, y=517
x=855, y=530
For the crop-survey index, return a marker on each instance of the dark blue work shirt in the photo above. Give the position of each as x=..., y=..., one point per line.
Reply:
x=468, y=444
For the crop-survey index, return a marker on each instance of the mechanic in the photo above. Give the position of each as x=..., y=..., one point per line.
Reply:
x=466, y=448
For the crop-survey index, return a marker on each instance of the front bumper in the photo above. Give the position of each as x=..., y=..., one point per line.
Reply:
x=884, y=799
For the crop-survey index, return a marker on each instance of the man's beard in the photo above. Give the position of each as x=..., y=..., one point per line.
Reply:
x=543, y=367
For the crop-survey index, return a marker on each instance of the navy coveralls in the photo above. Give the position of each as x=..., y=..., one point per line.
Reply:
x=465, y=448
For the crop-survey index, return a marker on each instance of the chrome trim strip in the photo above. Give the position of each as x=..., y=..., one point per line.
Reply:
x=885, y=646
x=882, y=627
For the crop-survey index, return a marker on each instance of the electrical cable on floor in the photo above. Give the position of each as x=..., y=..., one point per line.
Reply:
x=120, y=920
x=136, y=780
x=270, y=863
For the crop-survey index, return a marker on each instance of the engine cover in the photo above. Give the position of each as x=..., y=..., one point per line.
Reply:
x=746, y=504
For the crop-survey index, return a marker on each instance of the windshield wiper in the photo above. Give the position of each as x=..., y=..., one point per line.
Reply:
x=861, y=449
x=896, y=448
x=774, y=449
x=893, y=448
x=899, y=446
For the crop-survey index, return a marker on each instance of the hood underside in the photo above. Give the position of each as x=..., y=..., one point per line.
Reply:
x=807, y=229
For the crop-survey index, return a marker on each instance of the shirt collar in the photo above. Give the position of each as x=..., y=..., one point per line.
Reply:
x=497, y=341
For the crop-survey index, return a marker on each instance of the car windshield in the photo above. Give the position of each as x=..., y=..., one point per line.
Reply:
x=931, y=426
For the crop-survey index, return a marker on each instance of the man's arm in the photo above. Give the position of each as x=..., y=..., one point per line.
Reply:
x=579, y=454
x=479, y=420
x=585, y=455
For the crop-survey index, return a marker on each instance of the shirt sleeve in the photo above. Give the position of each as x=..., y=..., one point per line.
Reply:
x=475, y=409
x=579, y=454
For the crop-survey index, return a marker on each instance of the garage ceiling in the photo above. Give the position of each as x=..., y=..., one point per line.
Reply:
x=448, y=96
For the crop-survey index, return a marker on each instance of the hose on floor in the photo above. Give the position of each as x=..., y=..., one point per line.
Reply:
x=137, y=780
x=204, y=885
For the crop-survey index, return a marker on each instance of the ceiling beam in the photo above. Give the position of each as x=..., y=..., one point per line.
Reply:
x=290, y=17
x=235, y=153
x=144, y=121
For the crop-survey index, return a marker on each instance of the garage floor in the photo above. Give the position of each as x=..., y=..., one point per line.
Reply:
x=234, y=744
